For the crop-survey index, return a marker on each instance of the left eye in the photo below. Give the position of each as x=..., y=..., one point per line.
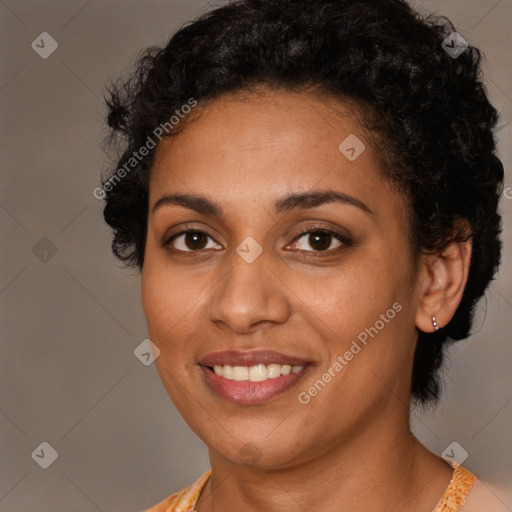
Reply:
x=319, y=240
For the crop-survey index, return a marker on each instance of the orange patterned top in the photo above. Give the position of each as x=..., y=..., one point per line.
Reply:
x=452, y=500
x=457, y=491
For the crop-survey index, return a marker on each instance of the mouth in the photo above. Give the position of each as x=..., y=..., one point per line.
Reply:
x=253, y=377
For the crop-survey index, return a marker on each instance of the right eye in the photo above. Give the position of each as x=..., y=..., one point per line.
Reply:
x=191, y=241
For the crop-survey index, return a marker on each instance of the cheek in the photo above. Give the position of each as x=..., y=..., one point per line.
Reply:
x=365, y=314
x=169, y=297
x=354, y=296
x=169, y=308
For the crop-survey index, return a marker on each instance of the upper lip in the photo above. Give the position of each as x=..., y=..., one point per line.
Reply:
x=249, y=358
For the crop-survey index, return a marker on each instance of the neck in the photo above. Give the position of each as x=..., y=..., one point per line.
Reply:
x=377, y=470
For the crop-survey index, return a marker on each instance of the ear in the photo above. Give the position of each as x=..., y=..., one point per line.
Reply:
x=443, y=277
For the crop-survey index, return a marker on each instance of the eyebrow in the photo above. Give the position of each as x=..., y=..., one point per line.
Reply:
x=303, y=200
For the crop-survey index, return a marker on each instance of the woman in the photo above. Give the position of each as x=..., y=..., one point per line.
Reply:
x=310, y=190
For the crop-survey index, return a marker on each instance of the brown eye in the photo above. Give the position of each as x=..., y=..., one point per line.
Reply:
x=319, y=241
x=192, y=240
x=195, y=240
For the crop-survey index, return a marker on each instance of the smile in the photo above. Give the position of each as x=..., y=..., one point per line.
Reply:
x=253, y=377
x=258, y=373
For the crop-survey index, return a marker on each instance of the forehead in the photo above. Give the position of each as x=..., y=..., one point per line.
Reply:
x=256, y=146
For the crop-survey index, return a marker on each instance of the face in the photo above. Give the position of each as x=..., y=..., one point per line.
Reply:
x=279, y=283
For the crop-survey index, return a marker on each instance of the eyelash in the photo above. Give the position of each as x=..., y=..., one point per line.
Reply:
x=317, y=253
x=306, y=254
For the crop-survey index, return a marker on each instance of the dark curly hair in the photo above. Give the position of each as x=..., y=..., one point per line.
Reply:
x=428, y=111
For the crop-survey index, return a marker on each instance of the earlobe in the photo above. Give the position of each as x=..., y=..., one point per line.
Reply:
x=443, y=279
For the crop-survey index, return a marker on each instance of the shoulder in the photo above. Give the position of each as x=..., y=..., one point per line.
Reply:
x=466, y=493
x=481, y=498
x=182, y=501
x=458, y=490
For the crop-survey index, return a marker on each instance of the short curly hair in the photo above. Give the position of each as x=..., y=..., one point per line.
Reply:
x=429, y=111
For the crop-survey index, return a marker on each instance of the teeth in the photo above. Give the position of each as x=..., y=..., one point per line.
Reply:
x=258, y=373
x=273, y=371
x=227, y=371
x=240, y=373
x=286, y=369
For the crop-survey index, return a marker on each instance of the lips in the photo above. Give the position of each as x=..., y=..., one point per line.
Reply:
x=252, y=377
x=250, y=358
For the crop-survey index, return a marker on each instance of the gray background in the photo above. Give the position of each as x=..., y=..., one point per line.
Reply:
x=71, y=319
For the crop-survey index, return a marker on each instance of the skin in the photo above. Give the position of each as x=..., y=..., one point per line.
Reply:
x=244, y=153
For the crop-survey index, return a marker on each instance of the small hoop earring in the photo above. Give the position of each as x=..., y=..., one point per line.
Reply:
x=434, y=323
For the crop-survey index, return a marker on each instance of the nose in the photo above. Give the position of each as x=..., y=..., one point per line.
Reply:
x=250, y=296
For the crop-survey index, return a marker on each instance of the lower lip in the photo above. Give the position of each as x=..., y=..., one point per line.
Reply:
x=247, y=392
